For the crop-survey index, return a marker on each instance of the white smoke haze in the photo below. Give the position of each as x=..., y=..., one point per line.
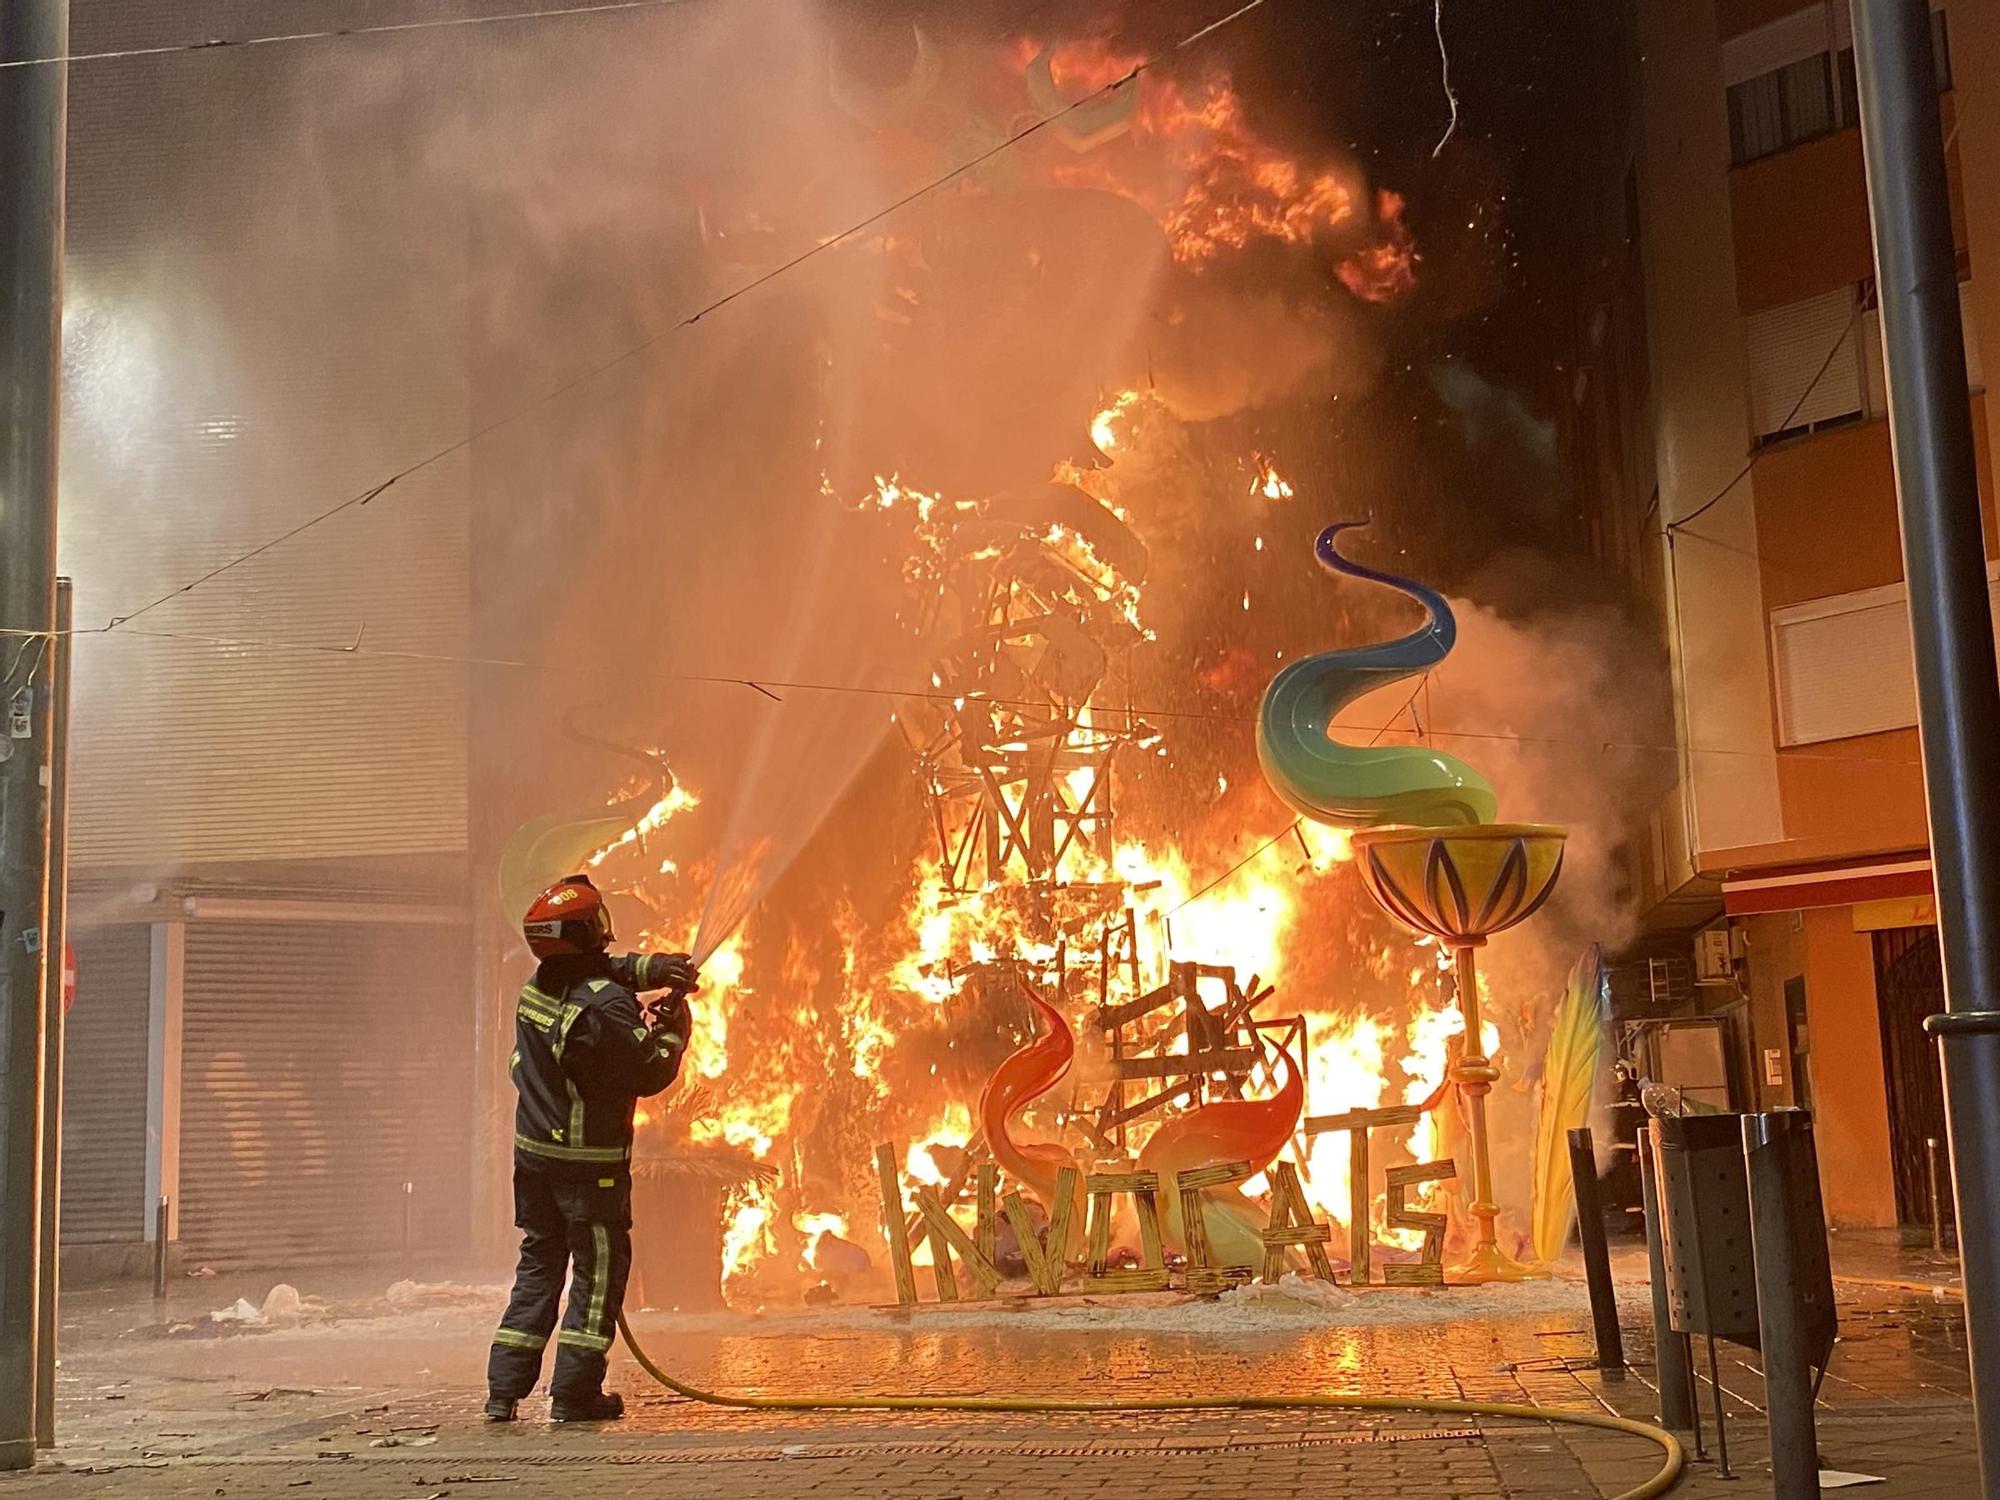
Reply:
x=1539, y=703
x=1491, y=414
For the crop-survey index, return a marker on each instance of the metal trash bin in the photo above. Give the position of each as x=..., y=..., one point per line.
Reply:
x=1705, y=1203
x=1708, y=1259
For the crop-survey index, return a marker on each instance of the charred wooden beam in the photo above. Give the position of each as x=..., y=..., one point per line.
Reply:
x=1111, y=1119
x=1194, y=1064
x=1364, y=1119
x=1112, y=1018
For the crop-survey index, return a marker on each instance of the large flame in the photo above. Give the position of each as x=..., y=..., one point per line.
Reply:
x=816, y=1049
x=896, y=980
x=1215, y=185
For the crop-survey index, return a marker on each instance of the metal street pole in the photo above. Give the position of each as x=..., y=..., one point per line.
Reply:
x=53, y=1020
x=1958, y=690
x=32, y=108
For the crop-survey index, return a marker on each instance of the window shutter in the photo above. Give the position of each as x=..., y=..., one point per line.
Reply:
x=1844, y=665
x=324, y=1064
x=1793, y=383
x=1756, y=119
x=1876, y=376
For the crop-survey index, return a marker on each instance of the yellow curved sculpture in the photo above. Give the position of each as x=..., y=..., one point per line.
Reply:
x=1461, y=886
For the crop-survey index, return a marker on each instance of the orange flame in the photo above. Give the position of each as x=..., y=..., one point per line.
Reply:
x=1268, y=482
x=1216, y=185
x=1387, y=268
x=852, y=1029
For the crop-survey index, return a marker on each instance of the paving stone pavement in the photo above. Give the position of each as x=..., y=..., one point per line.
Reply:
x=389, y=1407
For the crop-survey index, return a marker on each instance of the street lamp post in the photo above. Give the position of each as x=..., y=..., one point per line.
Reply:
x=1951, y=628
x=33, y=98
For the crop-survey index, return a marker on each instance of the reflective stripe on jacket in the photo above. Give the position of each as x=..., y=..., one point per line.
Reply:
x=584, y=1055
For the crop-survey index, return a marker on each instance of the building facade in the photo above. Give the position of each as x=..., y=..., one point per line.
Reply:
x=1770, y=534
x=269, y=894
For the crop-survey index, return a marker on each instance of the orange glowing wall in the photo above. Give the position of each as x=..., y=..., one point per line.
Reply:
x=1800, y=218
x=1826, y=524
x=1826, y=504
x=1850, y=1098
x=1844, y=1038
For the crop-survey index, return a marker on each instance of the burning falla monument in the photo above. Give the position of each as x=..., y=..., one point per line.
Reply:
x=1063, y=796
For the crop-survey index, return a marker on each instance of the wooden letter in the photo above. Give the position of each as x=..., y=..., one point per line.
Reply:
x=1151, y=1274
x=1429, y=1268
x=947, y=1236
x=1360, y=1233
x=988, y=1223
x=1204, y=1277
x=1044, y=1253
x=892, y=1220
x=1292, y=1223
x=1357, y=1123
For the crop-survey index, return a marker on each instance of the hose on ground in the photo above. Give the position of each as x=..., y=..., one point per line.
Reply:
x=1669, y=1474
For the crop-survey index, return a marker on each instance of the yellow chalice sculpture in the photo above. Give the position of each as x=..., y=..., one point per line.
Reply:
x=1424, y=836
x=1461, y=886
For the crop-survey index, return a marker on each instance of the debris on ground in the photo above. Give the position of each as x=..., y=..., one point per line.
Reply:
x=410, y=1296
x=283, y=1308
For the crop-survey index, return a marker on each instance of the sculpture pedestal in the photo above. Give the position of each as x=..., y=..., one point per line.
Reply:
x=1461, y=886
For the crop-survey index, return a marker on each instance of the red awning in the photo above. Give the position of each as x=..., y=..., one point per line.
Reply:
x=1825, y=885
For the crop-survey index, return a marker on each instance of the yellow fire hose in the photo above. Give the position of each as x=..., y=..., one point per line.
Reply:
x=1668, y=1476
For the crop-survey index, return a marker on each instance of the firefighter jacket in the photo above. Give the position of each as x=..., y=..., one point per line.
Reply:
x=584, y=1055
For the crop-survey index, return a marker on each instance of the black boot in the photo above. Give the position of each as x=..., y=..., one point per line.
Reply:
x=500, y=1408
x=604, y=1406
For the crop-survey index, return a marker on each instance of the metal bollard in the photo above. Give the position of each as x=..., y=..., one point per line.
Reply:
x=1670, y=1349
x=1784, y=1227
x=160, y=1255
x=1596, y=1252
x=409, y=1202
x=1937, y=1195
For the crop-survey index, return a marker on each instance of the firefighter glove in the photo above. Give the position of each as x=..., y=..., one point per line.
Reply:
x=668, y=971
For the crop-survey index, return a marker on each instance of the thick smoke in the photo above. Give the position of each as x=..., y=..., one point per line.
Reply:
x=505, y=231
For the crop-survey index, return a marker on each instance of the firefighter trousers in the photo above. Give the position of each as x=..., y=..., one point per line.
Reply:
x=571, y=1219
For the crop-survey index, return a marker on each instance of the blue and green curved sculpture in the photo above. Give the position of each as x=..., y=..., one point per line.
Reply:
x=1365, y=786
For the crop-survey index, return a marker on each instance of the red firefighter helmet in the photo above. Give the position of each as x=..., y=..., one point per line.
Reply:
x=569, y=917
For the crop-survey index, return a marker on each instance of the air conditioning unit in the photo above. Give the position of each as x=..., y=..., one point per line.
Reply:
x=1714, y=956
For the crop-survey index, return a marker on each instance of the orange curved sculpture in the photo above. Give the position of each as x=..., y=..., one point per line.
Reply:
x=1252, y=1130
x=1020, y=1080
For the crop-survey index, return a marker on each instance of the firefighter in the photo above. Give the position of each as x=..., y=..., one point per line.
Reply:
x=584, y=1055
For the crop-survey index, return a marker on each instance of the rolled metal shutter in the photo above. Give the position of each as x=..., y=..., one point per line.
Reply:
x=323, y=1065
x=104, y=1087
x=310, y=703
